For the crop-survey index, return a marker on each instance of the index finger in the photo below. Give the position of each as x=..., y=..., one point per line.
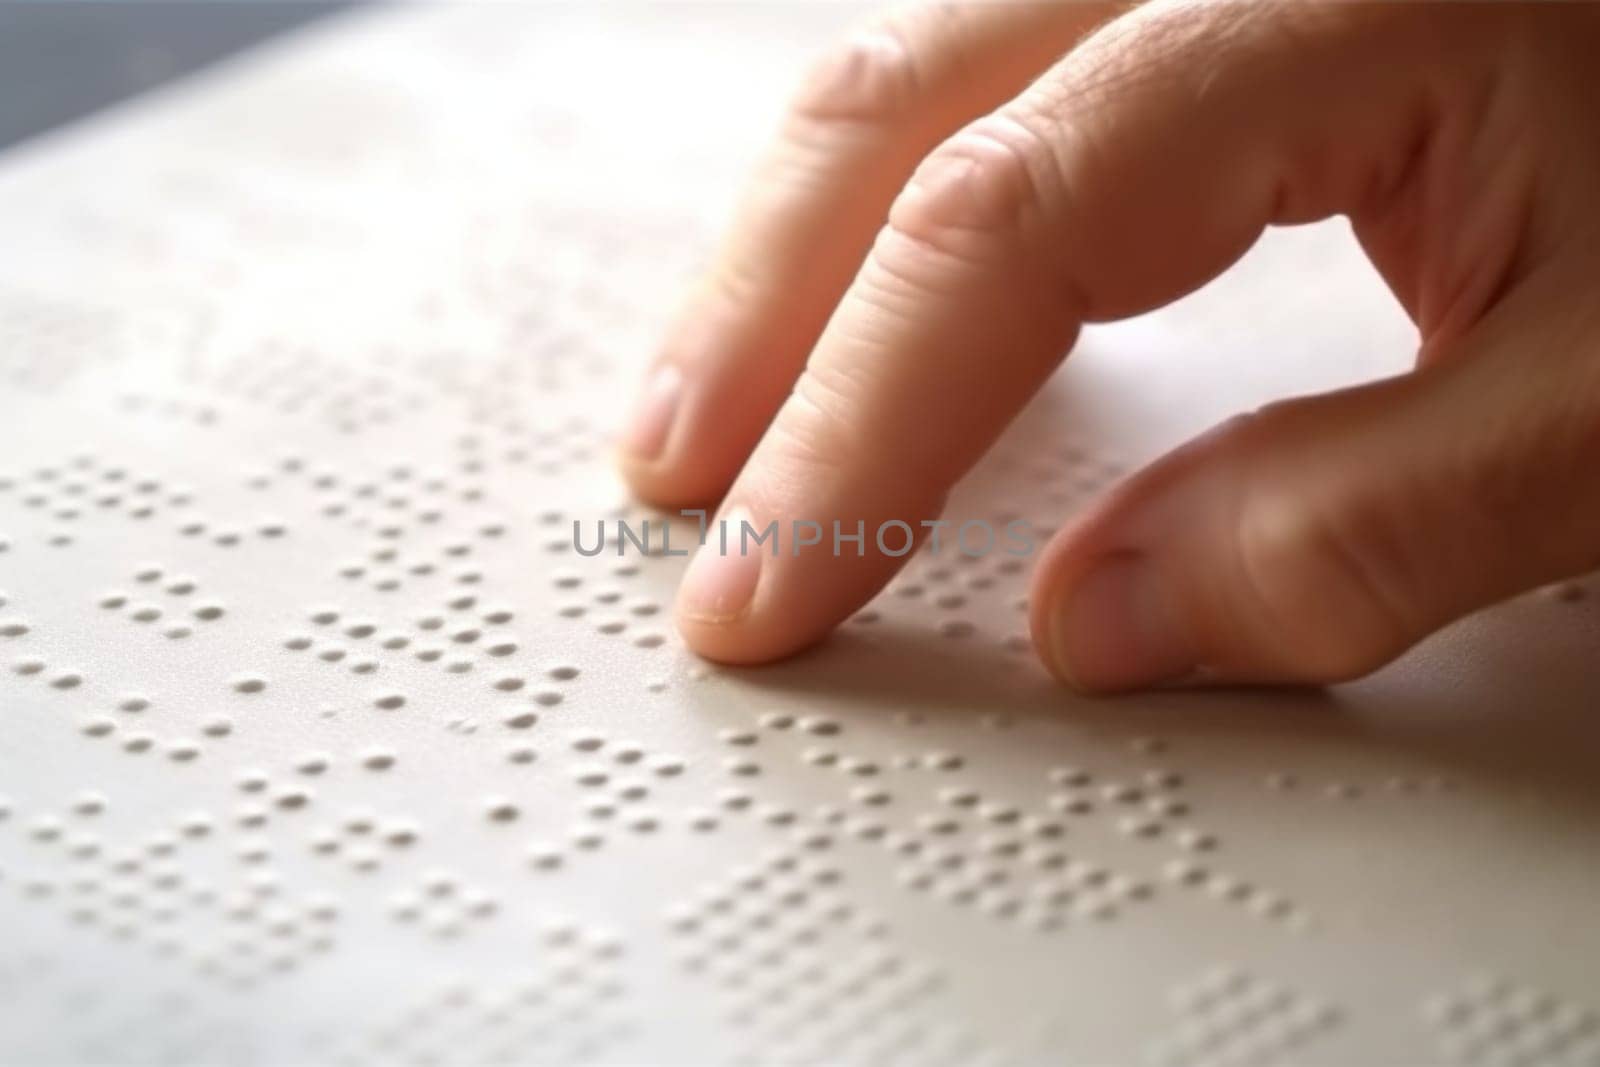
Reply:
x=1133, y=171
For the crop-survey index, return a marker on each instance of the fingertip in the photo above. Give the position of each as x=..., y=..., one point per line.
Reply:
x=1104, y=615
x=673, y=450
x=644, y=451
x=669, y=484
x=706, y=401
x=649, y=427
x=718, y=605
x=729, y=642
x=1113, y=627
x=715, y=631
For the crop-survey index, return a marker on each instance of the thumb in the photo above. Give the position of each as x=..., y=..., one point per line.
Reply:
x=1319, y=538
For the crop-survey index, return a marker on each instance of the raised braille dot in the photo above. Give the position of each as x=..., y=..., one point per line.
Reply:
x=500, y=810
x=1071, y=776
x=1138, y=826
x=45, y=828
x=1167, y=807
x=390, y=701
x=1568, y=592
x=89, y=804
x=1269, y=905
x=1162, y=779
x=1225, y=887
x=1000, y=814
x=249, y=684
x=1071, y=803
x=590, y=776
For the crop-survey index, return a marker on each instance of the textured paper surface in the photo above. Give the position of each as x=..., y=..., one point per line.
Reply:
x=318, y=743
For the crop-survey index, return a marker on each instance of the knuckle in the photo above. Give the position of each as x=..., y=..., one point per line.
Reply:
x=735, y=280
x=1315, y=593
x=988, y=178
x=870, y=76
x=812, y=431
x=1324, y=575
x=1151, y=45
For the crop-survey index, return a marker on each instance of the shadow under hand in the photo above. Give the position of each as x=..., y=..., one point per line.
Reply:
x=1503, y=700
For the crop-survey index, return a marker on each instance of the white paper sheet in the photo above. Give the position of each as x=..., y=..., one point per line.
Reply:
x=318, y=744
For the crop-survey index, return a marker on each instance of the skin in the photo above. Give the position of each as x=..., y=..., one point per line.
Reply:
x=958, y=189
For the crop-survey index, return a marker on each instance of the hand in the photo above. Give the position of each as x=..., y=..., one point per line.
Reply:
x=949, y=202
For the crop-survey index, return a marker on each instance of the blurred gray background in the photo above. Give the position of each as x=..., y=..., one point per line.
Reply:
x=60, y=59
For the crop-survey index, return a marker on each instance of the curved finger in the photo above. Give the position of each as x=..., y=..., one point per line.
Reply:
x=1316, y=540
x=868, y=112
x=1132, y=172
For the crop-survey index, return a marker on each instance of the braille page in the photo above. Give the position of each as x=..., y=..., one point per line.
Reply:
x=319, y=743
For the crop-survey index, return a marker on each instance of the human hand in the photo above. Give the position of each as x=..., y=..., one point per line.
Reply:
x=949, y=201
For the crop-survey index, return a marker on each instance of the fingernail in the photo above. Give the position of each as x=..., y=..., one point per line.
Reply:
x=1116, y=629
x=653, y=414
x=721, y=580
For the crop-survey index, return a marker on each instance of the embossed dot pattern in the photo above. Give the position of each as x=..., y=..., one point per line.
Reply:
x=320, y=743
x=1491, y=1019
x=1227, y=1016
